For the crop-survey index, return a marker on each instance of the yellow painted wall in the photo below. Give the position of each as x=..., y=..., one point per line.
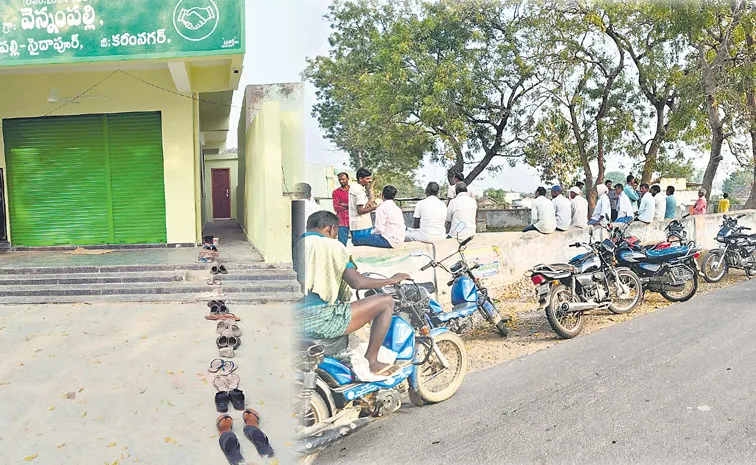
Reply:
x=25, y=96
x=220, y=161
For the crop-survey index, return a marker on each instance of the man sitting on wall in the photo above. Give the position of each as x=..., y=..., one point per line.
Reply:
x=327, y=272
x=303, y=191
x=542, y=213
x=462, y=209
x=389, y=223
x=579, y=208
x=562, y=209
x=647, y=205
x=430, y=218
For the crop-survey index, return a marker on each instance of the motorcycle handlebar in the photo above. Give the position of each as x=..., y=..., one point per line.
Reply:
x=576, y=244
x=740, y=216
x=744, y=228
x=426, y=267
x=466, y=241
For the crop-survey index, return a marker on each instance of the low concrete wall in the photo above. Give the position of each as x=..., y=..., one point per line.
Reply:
x=513, y=218
x=505, y=257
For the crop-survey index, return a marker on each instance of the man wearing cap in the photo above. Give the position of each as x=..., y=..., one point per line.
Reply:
x=579, y=207
x=562, y=209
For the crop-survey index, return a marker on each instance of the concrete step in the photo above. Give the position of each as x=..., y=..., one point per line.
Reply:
x=92, y=278
x=262, y=298
x=147, y=288
x=142, y=277
x=232, y=267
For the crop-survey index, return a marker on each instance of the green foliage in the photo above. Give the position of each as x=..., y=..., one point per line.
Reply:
x=497, y=196
x=738, y=179
x=617, y=177
x=675, y=166
x=407, y=185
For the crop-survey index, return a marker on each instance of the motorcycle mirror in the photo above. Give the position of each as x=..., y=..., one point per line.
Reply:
x=416, y=253
x=460, y=227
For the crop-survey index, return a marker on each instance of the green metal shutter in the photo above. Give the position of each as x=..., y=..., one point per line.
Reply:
x=86, y=180
x=136, y=173
x=56, y=172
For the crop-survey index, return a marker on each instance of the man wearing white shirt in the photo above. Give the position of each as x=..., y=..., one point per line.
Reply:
x=660, y=202
x=625, y=211
x=430, y=218
x=579, y=208
x=452, y=192
x=562, y=209
x=360, y=207
x=303, y=191
x=543, y=216
x=647, y=205
x=389, y=223
x=462, y=209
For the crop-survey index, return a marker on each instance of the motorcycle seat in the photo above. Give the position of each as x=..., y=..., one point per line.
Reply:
x=751, y=238
x=331, y=346
x=667, y=253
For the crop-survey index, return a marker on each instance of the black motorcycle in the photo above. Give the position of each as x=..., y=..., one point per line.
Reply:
x=590, y=281
x=736, y=251
x=669, y=270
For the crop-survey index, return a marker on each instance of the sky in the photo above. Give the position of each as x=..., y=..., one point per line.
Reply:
x=282, y=33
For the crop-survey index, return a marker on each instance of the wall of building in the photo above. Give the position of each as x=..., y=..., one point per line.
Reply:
x=25, y=95
x=271, y=161
x=507, y=256
x=229, y=161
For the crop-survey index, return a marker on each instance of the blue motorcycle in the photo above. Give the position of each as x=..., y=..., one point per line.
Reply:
x=333, y=403
x=468, y=295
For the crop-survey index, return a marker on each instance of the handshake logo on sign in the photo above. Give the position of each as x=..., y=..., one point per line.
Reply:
x=196, y=17
x=196, y=20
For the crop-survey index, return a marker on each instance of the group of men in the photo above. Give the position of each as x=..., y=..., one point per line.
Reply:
x=433, y=219
x=559, y=213
x=614, y=202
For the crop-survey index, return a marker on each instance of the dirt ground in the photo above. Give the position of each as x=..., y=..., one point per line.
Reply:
x=529, y=331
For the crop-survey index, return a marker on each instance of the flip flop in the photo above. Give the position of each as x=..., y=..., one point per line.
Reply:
x=213, y=282
x=215, y=367
x=250, y=411
x=224, y=316
x=220, y=383
x=237, y=398
x=259, y=440
x=231, y=331
x=226, y=352
x=214, y=269
x=222, y=342
x=221, y=418
x=212, y=303
x=222, y=399
x=227, y=371
x=222, y=269
x=233, y=381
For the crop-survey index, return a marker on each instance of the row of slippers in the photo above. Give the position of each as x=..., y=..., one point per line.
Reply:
x=219, y=311
x=227, y=382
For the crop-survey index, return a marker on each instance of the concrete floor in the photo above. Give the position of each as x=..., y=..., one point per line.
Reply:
x=128, y=383
x=233, y=247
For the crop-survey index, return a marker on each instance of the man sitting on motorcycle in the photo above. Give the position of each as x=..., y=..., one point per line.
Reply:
x=326, y=271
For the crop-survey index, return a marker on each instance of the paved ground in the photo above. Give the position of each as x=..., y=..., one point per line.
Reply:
x=127, y=383
x=233, y=246
x=669, y=387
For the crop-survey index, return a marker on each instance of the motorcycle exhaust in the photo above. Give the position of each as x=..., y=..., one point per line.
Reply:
x=568, y=307
x=314, y=443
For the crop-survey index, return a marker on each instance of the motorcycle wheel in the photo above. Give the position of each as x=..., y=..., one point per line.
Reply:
x=710, y=274
x=502, y=328
x=317, y=413
x=432, y=385
x=685, y=293
x=626, y=305
x=566, y=325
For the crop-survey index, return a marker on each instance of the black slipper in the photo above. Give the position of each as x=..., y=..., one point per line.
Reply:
x=222, y=269
x=214, y=270
x=237, y=398
x=221, y=401
x=259, y=439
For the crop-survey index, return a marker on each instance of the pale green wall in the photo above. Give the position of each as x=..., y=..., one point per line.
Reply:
x=231, y=162
x=271, y=135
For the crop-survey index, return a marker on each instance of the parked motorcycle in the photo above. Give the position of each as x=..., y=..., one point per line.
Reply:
x=590, y=281
x=334, y=403
x=468, y=295
x=670, y=271
x=736, y=251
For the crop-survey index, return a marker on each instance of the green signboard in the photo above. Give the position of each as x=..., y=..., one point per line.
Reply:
x=70, y=31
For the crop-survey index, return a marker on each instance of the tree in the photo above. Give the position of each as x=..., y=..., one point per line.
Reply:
x=738, y=179
x=675, y=166
x=498, y=196
x=586, y=86
x=617, y=177
x=407, y=185
x=405, y=80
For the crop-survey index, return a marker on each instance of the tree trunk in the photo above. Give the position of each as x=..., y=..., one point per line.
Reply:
x=715, y=156
x=751, y=202
x=653, y=149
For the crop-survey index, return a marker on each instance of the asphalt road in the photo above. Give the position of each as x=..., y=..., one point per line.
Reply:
x=675, y=386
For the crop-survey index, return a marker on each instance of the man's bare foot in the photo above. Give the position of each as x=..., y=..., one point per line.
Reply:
x=378, y=368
